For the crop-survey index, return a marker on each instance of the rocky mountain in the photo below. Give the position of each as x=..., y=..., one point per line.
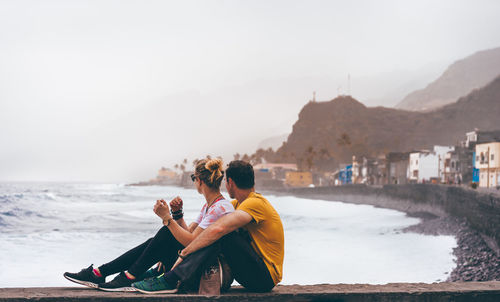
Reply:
x=458, y=80
x=329, y=133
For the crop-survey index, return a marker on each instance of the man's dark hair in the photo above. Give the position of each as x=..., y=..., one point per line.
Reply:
x=241, y=173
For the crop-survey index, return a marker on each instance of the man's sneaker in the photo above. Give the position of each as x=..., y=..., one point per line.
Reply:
x=85, y=277
x=119, y=284
x=156, y=285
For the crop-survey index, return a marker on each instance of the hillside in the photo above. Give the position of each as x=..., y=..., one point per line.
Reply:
x=273, y=142
x=331, y=132
x=458, y=80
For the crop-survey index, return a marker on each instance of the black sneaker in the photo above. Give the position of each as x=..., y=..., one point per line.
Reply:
x=119, y=284
x=85, y=277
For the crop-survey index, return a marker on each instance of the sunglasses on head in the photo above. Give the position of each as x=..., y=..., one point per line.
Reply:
x=193, y=177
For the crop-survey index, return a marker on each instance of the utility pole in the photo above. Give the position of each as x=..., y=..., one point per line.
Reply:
x=439, y=168
x=488, y=170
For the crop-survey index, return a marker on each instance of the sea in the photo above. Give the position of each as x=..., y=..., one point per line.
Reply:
x=49, y=228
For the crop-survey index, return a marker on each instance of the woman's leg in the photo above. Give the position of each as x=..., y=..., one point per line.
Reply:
x=162, y=247
x=124, y=261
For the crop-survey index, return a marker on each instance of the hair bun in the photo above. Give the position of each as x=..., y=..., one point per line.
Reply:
x=213, y=164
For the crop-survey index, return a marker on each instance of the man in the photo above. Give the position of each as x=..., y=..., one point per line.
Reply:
x=251, y=240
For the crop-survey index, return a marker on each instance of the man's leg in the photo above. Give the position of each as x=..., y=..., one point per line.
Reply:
x=195, y=263
x=247, y=267
x=187, y=272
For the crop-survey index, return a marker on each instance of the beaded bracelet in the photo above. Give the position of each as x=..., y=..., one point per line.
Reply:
x=177, y=214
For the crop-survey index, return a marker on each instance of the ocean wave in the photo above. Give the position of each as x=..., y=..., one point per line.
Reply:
x=9, y=198
x=21, y=213
x=5, y=199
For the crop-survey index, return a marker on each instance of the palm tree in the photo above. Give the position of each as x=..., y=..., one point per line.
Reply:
x=246, y=157
x=344, y=140
x=310, y=157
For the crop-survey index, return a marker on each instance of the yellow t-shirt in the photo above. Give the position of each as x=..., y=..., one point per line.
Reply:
x=266, y=230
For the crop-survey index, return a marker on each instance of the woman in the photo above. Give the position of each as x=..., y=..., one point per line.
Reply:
x=172, y=237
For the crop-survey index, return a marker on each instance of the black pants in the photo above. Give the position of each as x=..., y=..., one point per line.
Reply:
x=162, y=247
x=247, y=267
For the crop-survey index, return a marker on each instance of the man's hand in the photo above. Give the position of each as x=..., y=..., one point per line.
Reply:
x=179, y=260
x=176, y=204
x=161, y=209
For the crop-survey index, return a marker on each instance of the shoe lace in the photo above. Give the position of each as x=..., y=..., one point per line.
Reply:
x=87, y=270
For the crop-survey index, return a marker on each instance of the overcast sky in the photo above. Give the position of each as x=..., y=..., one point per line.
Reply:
x=112, y=90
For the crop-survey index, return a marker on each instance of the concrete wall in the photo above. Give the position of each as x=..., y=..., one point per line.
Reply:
x=400, y=292
x=481, y=210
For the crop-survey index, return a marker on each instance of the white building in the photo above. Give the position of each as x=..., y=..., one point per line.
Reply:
x=452, y=173
x=426, y=166
x=441, y=152
x=488, y=163
x=480, y=137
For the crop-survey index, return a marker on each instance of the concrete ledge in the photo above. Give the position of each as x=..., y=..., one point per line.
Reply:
x=404, y=292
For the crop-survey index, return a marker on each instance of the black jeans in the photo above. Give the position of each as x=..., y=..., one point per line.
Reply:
x=162, y=247
x=246, y=265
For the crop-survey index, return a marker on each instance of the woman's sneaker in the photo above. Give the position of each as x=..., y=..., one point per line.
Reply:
x=119, y=284
x=85, y=277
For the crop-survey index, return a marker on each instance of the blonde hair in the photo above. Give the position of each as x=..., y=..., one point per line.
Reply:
x=210, y=172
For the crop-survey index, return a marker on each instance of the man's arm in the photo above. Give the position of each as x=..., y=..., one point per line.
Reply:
x=221, y=227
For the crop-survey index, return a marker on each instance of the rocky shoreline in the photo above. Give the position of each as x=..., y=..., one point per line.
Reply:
x=475, y=260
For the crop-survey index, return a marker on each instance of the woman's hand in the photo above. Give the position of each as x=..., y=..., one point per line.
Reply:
x=176, y=204
x=161, y=209
x=160, y=267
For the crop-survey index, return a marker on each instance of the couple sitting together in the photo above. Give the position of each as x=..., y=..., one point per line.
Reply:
x=246, y=231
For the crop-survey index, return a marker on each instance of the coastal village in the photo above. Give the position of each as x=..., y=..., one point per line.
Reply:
x=474, y=162
x=447, y=133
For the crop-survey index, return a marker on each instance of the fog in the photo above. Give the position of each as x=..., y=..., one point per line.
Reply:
x=110, y=91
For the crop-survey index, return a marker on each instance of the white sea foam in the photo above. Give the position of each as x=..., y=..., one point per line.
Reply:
x=46, y=229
